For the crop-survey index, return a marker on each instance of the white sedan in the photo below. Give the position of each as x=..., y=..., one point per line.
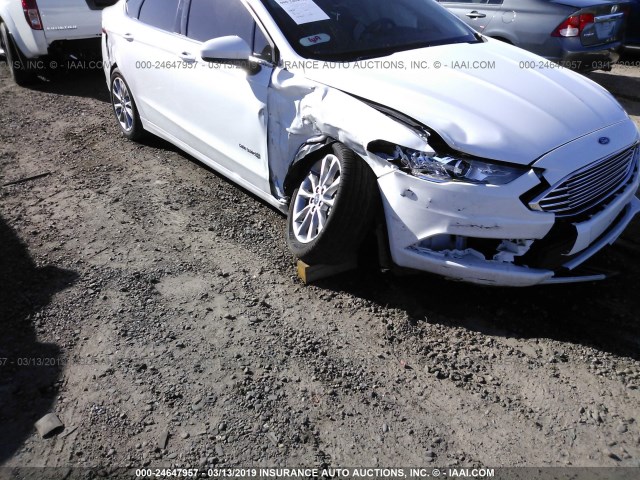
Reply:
x=471, y=158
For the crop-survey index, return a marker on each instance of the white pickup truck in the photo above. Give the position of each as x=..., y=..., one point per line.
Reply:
x=33, y=33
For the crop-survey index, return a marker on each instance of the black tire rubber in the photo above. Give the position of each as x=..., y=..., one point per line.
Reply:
x=351, y=217
x=16, y=61
x=137, y=131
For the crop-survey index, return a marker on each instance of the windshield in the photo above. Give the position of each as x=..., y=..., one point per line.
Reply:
x=347, y=30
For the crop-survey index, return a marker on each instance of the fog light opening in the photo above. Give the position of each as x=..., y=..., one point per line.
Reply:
x=454, y=246
x=439, y=243
x=508, y=250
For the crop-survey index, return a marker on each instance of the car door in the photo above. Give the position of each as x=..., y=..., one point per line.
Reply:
x=478, y=14
x=147, y=50
x=222, y=109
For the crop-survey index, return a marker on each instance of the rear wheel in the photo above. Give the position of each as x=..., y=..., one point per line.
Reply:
x=124, y=107
x=332, y=209
x=16, y=62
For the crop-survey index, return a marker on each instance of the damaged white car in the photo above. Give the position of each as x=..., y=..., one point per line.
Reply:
x=477, y=160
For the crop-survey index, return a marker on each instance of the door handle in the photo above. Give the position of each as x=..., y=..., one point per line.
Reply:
x=475, y=14
x=128, y=37
x=187, y=57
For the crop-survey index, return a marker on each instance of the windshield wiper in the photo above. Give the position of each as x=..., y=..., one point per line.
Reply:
x=357, y=56
x=375, y=55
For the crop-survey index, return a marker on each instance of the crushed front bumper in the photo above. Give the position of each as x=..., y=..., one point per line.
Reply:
x=435, y=227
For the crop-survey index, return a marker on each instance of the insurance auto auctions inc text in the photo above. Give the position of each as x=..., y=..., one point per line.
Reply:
x=368, y=473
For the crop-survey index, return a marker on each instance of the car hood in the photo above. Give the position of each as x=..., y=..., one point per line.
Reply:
x=501, y=109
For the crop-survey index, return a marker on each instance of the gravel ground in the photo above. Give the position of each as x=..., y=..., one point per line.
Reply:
x=153, y=306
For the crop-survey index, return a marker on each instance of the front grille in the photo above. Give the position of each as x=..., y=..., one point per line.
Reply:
x=589, y=187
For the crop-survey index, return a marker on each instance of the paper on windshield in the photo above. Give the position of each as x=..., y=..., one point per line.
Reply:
x=303, y=11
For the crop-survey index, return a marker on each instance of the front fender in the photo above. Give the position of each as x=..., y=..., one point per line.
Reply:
x=304, y=113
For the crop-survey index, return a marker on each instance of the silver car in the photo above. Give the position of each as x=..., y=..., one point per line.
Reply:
x=577, y=34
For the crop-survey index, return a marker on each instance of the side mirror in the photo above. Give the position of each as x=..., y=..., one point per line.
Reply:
x=230, y=50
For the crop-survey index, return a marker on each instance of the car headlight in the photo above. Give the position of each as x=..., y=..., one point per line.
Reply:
x=447, y=168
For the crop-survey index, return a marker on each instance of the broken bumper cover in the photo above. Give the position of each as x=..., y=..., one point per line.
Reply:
x=418, y=212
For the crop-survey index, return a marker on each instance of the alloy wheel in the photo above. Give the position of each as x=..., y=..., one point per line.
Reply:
x=122, y=104
x=315, y=199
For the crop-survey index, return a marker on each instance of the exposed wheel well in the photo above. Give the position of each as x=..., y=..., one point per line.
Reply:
x=376, y=240
x=299, y=167
x=328, y=223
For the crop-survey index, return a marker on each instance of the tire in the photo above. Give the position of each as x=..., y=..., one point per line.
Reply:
x=333, y=208
x=16, y=62
x=124, y=107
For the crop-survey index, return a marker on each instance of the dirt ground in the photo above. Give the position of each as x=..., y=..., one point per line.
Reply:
x=154, y=307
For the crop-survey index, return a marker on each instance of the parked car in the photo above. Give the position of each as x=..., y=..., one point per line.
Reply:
x=31, y=30
x=577, y=34
x=472, y=160
x=632, y=40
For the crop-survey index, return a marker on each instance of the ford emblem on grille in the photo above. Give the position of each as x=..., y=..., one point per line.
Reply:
x=604, y=140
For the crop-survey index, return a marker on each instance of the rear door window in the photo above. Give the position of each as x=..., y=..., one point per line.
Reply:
x=160, y=14
x=133, y=7
x=218, y=18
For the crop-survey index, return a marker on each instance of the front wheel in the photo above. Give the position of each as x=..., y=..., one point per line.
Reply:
x=16, y=62
x=124, y=107
x=332, y=209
